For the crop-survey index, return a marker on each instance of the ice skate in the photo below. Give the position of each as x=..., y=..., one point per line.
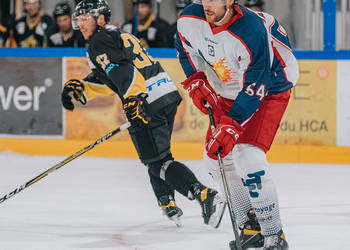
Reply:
x=213, y=206
x=167, y=203
x=276, y=242
x=250, y=237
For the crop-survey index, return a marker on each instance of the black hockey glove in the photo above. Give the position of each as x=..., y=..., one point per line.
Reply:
x=135, y=108
x=72, y=88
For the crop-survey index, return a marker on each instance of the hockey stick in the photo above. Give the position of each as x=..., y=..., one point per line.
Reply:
x=135, y=30
x=224, y=182
x=65, y=161
x=159, y=2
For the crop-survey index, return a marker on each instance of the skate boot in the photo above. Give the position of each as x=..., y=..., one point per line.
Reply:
x=251, y=234
x=213, y=206
x=167, y=203
x=276, y=242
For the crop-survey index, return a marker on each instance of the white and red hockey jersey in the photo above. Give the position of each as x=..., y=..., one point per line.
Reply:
x=245, y=60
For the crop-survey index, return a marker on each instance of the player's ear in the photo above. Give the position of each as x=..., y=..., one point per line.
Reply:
x=229, y=3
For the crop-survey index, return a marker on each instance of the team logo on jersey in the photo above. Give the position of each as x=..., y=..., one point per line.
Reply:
x=223, y=71
x=211, y=50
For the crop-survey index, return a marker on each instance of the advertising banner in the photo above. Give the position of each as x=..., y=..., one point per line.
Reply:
x=103, y=114
x=310, y=117
x=30, y=97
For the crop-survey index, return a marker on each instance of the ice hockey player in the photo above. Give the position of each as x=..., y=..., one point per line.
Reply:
x=31, y=30
x=151, y=30
x=248, y=60
x=63, y=34
x=120, y=64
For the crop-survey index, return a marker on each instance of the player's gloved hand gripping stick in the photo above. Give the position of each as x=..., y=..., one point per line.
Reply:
x=224, y=181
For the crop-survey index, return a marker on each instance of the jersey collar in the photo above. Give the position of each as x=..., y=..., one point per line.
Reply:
x=217, y=29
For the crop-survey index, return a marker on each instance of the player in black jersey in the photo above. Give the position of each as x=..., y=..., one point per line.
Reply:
x=120, y=64
x=63, y=35
x=31, y=30
x=151, y=30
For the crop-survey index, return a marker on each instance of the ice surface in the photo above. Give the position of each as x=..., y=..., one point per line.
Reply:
x=107, y=203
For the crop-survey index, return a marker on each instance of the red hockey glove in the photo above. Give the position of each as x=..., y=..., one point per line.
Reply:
x=200, y=90
x=224, y=138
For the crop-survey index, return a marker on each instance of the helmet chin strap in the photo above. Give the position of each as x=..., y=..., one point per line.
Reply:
x=226, y=13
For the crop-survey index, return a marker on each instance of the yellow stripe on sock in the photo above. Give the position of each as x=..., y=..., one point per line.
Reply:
x=250, y=232
x=204, y=194
x=171, y=204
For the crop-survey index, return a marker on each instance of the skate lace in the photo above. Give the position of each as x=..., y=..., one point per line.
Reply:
x=271, y=241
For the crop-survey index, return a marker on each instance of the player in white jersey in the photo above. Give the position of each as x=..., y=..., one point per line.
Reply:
x=248, y=60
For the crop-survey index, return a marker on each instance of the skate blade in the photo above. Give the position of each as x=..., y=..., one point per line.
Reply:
x=216, y=217
x=176, y=220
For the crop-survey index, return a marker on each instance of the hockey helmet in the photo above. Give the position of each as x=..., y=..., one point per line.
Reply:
x=93, y=7
x=62, y=9
x=252, y=3
x=181, y=4
x=149, y=2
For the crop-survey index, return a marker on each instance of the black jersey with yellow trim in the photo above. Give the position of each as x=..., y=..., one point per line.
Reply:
x=118, y=60
x=34, y=36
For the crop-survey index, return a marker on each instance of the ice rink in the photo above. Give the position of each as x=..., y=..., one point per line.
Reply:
x=106, y=203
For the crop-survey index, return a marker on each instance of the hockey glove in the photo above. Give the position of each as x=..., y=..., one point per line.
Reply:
x=72, y=88
x=199, y=89
x=224, y=138
x=135, y=109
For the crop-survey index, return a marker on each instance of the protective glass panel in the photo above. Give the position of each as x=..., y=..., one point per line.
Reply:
x=343, y=24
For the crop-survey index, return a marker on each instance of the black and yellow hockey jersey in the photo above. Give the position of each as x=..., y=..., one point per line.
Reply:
x=32, y=33
x=119, y=61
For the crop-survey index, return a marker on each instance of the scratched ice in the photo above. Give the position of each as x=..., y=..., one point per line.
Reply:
x=106, y=203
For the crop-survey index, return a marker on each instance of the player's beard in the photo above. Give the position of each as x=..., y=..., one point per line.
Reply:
x=213, y=18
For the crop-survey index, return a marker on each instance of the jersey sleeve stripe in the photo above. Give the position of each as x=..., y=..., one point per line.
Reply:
x=280, y=43
x=183, y=39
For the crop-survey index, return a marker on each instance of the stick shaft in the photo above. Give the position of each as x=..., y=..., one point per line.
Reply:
x=65, y=161
x=226, y=189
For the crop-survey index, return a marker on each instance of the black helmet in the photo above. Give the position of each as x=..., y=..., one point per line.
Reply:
x=94, y=7
x=149, y=2
x=181, y=4
x=251, y=3
x=62, y=9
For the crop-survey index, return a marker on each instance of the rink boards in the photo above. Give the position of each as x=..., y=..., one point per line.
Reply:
x=315, y=128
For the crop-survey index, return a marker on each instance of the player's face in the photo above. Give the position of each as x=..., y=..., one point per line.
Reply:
x=64, y=23
x=214, y=10
x=87, y=25
x=144, y=11
x=32, y=8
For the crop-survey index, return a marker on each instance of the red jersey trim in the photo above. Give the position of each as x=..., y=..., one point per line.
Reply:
x=217, y=29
